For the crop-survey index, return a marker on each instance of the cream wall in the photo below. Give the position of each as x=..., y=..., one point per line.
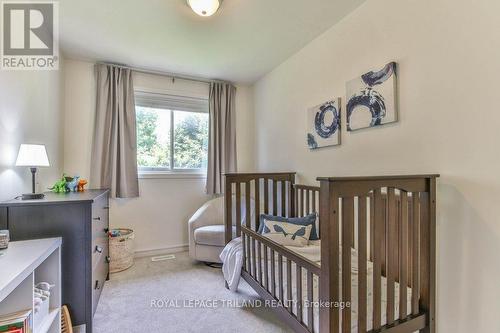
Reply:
x=449, y=64
x=30, y=112
x=159, y=216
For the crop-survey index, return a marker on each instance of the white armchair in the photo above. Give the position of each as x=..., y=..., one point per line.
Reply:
x=206, y=231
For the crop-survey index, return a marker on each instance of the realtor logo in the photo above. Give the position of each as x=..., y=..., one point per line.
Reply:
x=29, y=35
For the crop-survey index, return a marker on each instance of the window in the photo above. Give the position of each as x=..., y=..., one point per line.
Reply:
x=172, y=133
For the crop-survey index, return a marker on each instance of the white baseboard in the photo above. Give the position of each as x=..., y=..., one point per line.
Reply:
x=161, y=251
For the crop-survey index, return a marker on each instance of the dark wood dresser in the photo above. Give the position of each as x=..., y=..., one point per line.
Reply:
x=82, y=220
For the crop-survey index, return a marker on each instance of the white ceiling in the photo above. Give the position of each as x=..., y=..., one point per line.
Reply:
x=244, y=40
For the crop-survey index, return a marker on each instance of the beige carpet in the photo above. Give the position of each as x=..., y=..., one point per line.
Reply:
x=179, y=295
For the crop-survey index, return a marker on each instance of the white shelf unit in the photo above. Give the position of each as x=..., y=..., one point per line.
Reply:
x=24, y=264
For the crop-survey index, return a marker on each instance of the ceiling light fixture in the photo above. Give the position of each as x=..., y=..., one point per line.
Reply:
x=204, y=7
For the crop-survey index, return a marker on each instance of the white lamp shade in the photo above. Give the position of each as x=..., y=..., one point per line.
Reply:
x=204, y=7
x=32, y=156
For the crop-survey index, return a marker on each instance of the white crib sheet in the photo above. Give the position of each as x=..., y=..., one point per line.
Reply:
x=312, y=252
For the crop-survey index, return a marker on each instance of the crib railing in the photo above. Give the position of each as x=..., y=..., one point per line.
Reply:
x=281, y=273
x=306, y=199
x=277, y=273
x=393, y=209
x=256, y=193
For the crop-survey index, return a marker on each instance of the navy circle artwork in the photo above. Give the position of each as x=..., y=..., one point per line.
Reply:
x=370, y=99
x=326, y=130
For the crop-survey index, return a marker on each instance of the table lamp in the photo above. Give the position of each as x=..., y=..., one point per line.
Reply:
x=32, y=156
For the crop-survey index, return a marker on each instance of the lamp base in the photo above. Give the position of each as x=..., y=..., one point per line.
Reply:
x=33, y=196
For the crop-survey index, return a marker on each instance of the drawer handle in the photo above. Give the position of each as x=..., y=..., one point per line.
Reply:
x=108, y=259
x=98, y=249
x=106, y=207
x=96, y=286
x=97, y=218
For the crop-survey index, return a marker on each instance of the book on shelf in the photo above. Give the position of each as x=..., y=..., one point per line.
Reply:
x=19, y=322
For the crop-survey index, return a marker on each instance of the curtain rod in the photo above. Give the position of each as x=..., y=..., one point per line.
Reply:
x=161, y=73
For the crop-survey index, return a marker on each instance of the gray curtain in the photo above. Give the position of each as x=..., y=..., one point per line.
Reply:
x=114, y=151
x=222, y=135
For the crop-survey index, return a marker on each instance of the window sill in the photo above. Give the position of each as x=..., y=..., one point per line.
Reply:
x=170, y=175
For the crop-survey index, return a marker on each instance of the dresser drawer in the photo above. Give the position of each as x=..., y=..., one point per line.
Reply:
x=100, y=253
x=100, y=230
x=99, y=275
x=100, y=217
x=100, y=208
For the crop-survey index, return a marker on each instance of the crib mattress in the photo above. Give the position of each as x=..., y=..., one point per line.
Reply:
x=312, y=252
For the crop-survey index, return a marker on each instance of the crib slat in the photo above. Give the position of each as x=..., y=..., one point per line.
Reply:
x=248, y=208
x=310, y=289
x=289, y=296
x=298, y=272
x=273, y=273
x=410, y=240
x=372, y=226
x=275, y=197
x=238, y=209
x=228, y=214
x=379, y=251
x=315, y=211
x=384, y=236
x=403, y=258
x=266, y=269
x=425, y=256
x=301, y=202
x=249, y=253
x=251, y=249
x=314, y=202
x=415, y=283
x=255, y=249
x=266, y=196
x=296, y=202
x=347, y=223
x=353, y=234
x=392, y=245
x=283, y=198
x=258, y=269
x=280, y=277
x=362, y=260
x=308, y=203
x=257, y=204
x=245, y=255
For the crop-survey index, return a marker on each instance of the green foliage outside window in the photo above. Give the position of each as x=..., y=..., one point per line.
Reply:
x=190, y=139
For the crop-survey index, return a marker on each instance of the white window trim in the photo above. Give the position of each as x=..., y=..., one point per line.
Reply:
x=181, y=174
x=170, y=173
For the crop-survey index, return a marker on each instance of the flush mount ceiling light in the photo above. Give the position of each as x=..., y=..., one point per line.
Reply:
x=204, y=7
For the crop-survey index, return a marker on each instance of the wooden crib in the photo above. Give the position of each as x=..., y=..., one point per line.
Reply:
x=388, y=220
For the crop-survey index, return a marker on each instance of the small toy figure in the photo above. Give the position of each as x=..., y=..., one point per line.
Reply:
x=81, y=185
x=115, y=233
x=72, y=186
x=59, y=186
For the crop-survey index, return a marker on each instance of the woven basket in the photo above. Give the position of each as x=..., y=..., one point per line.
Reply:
x=121, y=251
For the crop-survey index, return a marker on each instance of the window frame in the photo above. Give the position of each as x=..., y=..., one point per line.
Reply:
x=171, y=103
